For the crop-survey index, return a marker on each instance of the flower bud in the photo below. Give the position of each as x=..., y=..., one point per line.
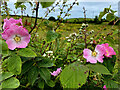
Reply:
x=84, y=30
x=92, y=31
x=80, y=32
x=86, y=25
x=91, y=42
x=83, y=25
x=91, y=38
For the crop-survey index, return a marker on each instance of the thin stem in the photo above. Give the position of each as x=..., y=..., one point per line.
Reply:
x=85, y=27
x=63, y=17
x=35, y=18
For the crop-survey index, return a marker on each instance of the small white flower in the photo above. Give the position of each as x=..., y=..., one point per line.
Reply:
x=66, y=37
x=49, y=52
x=92, y=31
x=73, y=34
x=78, y=60
x=69, y=40
x=83, y=25
x=80, y=29
x=53, y=56
x=91, y=38
x=44, y=55
x=91, y=42
x=86, y=25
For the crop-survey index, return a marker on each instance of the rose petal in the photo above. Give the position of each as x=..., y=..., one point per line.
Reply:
x=100, y=58
x=87, y=53
x=92, y=59
x=11, y=44
x=100, y=49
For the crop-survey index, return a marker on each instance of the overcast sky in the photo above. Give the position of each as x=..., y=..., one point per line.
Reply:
x=74, y=0
x=93, y=8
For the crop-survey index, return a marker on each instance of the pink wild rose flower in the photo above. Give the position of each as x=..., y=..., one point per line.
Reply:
x=109, y=51
x=104, y=87
x=7, y=23
x=55, y=73
x=94, y=56
x=16, y=37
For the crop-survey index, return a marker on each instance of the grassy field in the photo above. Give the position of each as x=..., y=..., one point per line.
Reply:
x=65, y=28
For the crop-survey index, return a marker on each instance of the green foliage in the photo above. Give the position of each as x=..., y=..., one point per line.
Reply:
x=26, y=52
x=110, y=14
x=98, y=68
x=46, y=4
x=110, y=17
x=5, y=75
x=26, y=66
x=4, y=49
x=109, y=63
x=21, y=5
x=45, y=74
x=74, y=75
x=14, y=64
x=32, y=75
x=51, y=36
x=35, y=72
x=45, y=62
x=110, y=83
x=40, y=83
x=10, y=83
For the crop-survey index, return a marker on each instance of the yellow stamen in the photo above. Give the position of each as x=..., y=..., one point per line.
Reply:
x=107, y=52
x=17, y=38
x=94, y=54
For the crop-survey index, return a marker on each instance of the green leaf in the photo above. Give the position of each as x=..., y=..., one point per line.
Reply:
x=17, y=4
x=5, y=75
x=10, y=83
x=45, y=62
x=26, y=66
x=110, y=17
x=50, y=83
x=14, y=64
x=101, y=15
x=45, y=74
x=46, y=4
x=112, y=11
x=51, y=36
x=98, y=68
x=4, y=49
x=109, y=63
x=110, y=83
x=26, y=52
x=40, y=83
x=32, y=75
x=74, y=75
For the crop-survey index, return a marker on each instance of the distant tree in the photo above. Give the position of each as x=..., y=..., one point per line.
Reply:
x=97, y=21
x=52, y=18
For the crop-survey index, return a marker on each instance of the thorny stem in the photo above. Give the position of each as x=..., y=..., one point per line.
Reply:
x=84, y=14
x=35, y=17
x=85, y=27
x=63, y=17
